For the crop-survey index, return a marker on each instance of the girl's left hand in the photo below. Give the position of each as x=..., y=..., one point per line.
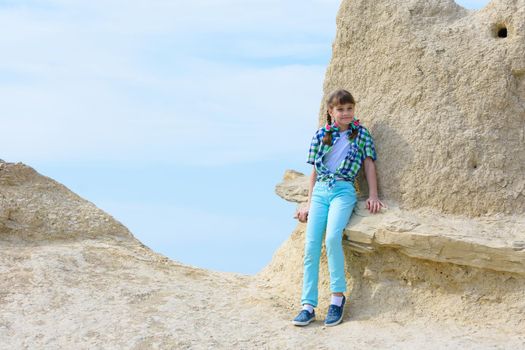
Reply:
x=374, y=205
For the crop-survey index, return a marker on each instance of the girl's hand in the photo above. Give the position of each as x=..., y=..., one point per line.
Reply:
x=374, y=205
x=302, y=214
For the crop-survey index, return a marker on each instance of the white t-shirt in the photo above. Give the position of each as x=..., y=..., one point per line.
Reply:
x=338, y=153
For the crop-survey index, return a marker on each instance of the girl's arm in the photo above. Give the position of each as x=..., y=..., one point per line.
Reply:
x=373, y=204
x=302, y=213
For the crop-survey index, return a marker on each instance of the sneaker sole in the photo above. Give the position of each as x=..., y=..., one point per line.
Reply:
x=298, y=323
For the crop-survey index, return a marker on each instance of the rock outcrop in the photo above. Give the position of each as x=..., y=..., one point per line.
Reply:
x=422, y=249
x=496, y=243
x=442, y=90
x=79, y=279
x=72, y=277
x=38, y=208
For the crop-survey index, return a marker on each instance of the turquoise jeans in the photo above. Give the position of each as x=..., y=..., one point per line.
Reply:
x=330, y=210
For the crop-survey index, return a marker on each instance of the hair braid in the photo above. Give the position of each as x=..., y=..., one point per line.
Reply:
x=353, y=134
x=327, y=138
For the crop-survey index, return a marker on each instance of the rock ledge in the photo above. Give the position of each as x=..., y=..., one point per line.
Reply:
x=495, y=242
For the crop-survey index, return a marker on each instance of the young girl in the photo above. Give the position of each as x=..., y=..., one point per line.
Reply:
x=337, y=152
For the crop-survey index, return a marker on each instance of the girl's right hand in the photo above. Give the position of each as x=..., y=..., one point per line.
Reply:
x=302, y=214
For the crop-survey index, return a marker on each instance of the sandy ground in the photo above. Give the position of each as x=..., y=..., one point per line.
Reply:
x=115, y=293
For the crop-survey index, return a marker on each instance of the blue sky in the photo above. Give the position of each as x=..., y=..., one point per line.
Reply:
x=176, y=117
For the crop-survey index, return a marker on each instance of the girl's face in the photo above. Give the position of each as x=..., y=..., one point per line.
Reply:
x=342, y=114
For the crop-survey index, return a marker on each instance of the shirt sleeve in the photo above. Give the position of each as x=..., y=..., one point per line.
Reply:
x=369, y=149
x=314, y=147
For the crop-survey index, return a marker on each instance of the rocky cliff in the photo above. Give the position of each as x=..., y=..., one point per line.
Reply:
x=74, y=277
x=441, y=89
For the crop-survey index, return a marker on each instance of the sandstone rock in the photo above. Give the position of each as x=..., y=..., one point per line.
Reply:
x=443, y=93
x=80, y=280
x=442, y=90
x=485, y=242
x=294, y=187
x=36, y=207
x=90, y=284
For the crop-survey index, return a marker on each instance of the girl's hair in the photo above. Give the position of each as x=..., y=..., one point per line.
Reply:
x=337, y=98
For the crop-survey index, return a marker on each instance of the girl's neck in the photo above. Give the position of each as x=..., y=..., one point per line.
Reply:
x=343, y=127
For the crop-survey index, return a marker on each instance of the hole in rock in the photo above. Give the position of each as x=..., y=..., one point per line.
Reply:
x=473, y=163
x=499, y=30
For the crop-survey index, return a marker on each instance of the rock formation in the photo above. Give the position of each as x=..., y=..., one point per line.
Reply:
x=401, y=260
x=40, y=209
x=442, y=90
x=73, y=277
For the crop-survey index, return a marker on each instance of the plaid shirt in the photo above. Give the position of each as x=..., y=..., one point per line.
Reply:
x=360, y=148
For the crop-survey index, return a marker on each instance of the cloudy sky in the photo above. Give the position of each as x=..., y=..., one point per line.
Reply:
x=177, y=117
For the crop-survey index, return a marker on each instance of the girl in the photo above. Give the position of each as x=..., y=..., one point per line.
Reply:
x=337, y=152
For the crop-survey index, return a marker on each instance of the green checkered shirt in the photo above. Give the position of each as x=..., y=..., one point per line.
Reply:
x=361, y=146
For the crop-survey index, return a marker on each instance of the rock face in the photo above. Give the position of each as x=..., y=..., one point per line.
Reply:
x=416, y=263
x=442, y=90
x=35, y=207
x=73, y=277
x=496, y=243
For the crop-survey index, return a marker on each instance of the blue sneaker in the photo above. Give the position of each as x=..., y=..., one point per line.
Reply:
x=304, y=318
x=335, y=314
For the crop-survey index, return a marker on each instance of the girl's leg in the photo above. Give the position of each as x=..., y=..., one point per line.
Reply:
x=342, y=203
x=315, y=227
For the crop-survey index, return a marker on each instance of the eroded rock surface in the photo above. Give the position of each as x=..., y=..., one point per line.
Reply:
x=91, y=285
x=443, y=92
x=493, y=242
x=443, y=95
x=39, y=208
